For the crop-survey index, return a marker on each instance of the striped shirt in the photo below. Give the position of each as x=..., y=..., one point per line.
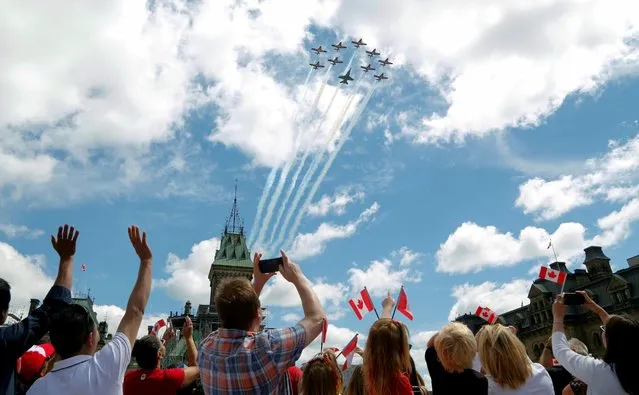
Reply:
x=233, y=361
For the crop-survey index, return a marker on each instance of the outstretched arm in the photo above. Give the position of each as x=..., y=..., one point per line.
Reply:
x=65, y=247
x=132, y=319
x=192, y=371
x=259, y=279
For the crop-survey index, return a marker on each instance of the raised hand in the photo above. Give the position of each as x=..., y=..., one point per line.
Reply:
x=64, y=244
x=289, y=270
x=187, y=331
x=139, y=243
x=388, y=301
x=258, y=276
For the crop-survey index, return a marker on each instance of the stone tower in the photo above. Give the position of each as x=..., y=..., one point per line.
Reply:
x=232, y=259
x=597, y=263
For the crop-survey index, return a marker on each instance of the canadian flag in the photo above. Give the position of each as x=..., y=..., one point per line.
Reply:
x=83, y=267
x=158, y=325
x=403, y=306
x=362, y=304
x=324, y=330
x=552, y=275
x=487, y=314
x=349, y=351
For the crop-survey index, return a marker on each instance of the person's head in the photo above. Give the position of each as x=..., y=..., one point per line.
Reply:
x=387, y=354
x=238, y=305
x=456, y=347
x=5, y=299
x=503, y=356
x=148, y=351
x=578, y=346
x=34, y=363
x=73, y=332
x=621, y=338
x=321, y=376
x=356, y=384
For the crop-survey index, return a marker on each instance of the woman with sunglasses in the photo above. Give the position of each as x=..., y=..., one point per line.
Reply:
x=321, y=376
x=616, y=374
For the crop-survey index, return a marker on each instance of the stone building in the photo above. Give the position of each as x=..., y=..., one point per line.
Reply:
x=616, y=292
x=232, y=259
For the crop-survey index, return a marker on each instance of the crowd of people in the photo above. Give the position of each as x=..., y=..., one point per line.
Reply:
x=54, y=349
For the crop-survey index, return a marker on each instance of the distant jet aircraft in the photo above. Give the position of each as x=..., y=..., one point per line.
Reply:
x=346, y=77
x=318, y=50
x=335, y=61
x=385, y=62
x=338, y=46
x=316, y=65
x=358, y=43
x=367, y=68
x=381, y=77
x=372, y=53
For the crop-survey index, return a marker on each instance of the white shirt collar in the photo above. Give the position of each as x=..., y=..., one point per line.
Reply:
x=67, y=363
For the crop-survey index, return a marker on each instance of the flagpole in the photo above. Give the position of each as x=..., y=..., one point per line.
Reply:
x=557, y=260
x=395, y=308
x=374, y=308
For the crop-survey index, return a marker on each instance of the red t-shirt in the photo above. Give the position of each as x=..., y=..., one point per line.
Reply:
x=401, y=385
x=153, y=382
x=295, y=374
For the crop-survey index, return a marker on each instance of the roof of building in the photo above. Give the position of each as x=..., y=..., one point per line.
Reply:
x=87, y=303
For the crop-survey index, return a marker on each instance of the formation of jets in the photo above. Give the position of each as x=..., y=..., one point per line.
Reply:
x=344, y=79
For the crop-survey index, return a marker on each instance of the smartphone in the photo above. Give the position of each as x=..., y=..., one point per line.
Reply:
x=573, y=299
x=270, y=265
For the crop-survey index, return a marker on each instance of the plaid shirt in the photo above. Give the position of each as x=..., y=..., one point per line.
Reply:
x=233, y=361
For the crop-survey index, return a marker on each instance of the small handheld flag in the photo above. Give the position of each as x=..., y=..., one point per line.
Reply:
x=486, y=314
x=555, y=276
x=83, y=267
x=349, y=351
x=362, y=304
x=157, y=326
x=324, y=332
x=403, y=306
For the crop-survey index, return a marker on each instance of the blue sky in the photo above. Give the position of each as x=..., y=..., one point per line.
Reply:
x=463, y=167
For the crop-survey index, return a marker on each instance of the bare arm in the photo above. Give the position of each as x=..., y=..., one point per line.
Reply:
x=259, y=279
x=192, y=372
x=387, y=306
x=64, y=245
x=132, y=319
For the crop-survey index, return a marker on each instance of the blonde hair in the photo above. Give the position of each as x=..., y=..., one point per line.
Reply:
x=503, y=356
x=387, y=355
x=321, y=376
x=456, y=347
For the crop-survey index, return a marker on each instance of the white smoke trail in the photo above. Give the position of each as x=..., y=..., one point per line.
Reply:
x=260, y=206
x=312, y=168
x=287, y=167
x=293, y=182
x=327, y=166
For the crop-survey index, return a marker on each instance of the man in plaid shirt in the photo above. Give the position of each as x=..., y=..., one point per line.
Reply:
x=237, y=358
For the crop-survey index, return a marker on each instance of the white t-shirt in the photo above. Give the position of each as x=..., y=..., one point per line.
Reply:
x=100, y=374
x=597, y=374
x=539, y=383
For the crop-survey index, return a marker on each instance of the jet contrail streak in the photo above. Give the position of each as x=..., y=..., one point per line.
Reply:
x=287, y=167
x=312, y=168
x=327, y=166
x=293, y=182
x=260, y=207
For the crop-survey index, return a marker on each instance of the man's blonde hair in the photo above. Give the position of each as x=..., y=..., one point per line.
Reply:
x=456, y=347
x=503, y=356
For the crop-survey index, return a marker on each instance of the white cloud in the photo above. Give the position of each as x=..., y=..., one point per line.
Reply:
x=307, y=245
x=407, y=256
x=11, y=231
x=113, y=315
x=335, y=337
x=26, y=275
x=334, y=204
x=616, y=226
x=612, y=177
x=380, y=277
x=499, y=297
x=291, y=317
x=188, y=278
x=508, y=63
x=419, y=341
x=472, y=247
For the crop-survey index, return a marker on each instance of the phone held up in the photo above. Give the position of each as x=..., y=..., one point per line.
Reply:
x=270, y=265
x=573, y=299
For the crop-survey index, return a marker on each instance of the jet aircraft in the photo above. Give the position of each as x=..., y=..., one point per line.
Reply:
x=372, y=53
x=318, y=50
x=338, y=46
x=381, y=77
x=367, y=68
x=358, y=43
x=385, y=62
x=346, y=77
x=316, y=65
x=335, y=61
